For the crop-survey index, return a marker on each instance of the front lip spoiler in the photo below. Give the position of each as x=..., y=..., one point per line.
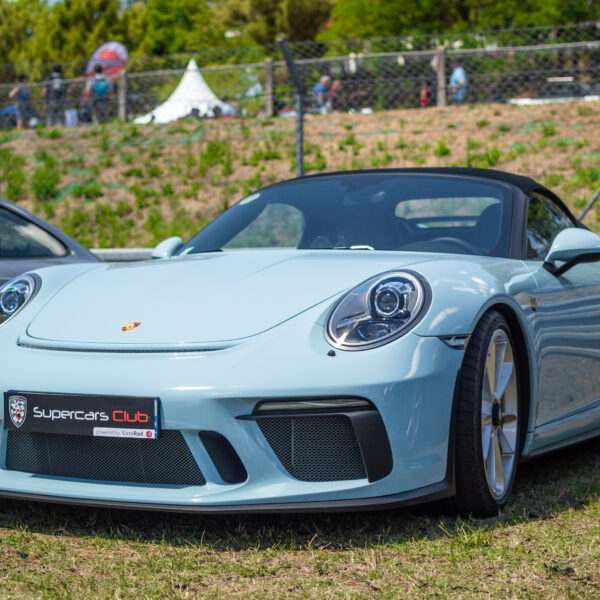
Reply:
x=429, y=493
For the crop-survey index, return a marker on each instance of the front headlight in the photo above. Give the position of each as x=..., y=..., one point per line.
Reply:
x=15, y=294
x=378, y=311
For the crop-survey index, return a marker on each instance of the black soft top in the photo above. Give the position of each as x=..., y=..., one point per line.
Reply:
x=526, y=184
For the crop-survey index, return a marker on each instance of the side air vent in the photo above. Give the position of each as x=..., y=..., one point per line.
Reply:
x=224, y=457
x=315, y=448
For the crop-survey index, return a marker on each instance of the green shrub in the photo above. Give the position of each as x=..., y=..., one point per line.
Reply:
x=44, y=183
x=89, y=190
x=401, y=143
x=317, y=164
x=53, y=134
x=43, y=157
x=153, y=170
x=548, y=129
x=104, y=140
x=131, y=134
x=15, y=184
x=584, y=111
x=442, y=148
x=473, y=144
x=133, y=172
x=227, y=168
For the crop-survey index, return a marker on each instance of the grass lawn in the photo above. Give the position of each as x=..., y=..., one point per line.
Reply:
x=545, y=545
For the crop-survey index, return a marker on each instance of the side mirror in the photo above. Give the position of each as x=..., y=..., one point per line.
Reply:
x=572, y=246
x=167, y=248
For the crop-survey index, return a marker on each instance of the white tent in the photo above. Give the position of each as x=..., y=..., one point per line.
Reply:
x=191, y=93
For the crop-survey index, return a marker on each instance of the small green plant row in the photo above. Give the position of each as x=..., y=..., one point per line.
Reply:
x=106, y=226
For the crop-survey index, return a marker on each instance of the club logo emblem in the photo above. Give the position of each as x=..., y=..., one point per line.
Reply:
x=17, y=409
x=130, y=326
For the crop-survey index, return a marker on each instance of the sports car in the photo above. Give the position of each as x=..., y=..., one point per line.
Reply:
x=343, y=341
x=28, y=242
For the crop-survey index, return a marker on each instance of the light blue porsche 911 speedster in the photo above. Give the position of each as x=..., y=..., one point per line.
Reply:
x=335, y=342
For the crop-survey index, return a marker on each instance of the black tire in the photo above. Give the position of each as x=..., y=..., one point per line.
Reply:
x=473, y=493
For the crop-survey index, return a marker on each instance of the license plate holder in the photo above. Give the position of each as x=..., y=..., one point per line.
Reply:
x=129, y=417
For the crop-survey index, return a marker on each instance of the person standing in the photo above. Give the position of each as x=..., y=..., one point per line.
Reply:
x=100, y=91
x=428, y=95
x=458, y=82
x=23, y=97
x=55, y=97
x=319, y=98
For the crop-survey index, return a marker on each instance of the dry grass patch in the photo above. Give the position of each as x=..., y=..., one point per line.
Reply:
x=546, y=544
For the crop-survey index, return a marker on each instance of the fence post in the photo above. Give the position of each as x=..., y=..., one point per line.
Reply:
x=269, y=86
x=122, y=99
x=299, y=85
x=441, y=76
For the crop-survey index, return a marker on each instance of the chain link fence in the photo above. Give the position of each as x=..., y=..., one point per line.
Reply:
x=526, y=65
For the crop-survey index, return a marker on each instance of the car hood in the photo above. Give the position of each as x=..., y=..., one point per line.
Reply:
x=217, y=297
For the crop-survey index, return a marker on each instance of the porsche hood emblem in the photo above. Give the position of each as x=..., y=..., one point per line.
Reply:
x=17, y=409
x=130, y=326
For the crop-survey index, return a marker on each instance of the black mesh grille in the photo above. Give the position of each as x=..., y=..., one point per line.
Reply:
x=166, y=460
x=315, y=448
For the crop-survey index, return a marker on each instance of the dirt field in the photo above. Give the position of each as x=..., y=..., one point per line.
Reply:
x=128, y=185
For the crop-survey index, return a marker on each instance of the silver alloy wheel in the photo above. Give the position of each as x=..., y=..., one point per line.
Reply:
x=499, y=414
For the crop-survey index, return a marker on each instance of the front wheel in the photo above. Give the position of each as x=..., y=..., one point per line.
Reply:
x=487, y=420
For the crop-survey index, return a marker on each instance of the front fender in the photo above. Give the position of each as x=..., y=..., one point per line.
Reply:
x=462, y=291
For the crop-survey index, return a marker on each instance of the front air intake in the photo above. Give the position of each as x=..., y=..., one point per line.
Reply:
x=315, y=448
x=166, y=460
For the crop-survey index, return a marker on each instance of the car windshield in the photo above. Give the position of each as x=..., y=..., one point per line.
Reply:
x=369, y=211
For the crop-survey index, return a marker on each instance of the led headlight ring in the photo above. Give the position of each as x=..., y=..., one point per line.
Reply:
x=378, y=310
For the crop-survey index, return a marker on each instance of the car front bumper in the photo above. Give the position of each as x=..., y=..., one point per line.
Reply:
x=410, y=382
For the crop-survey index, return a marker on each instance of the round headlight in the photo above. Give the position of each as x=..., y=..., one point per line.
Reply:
x=389, y=299
x=377, y=311
x=14, y=295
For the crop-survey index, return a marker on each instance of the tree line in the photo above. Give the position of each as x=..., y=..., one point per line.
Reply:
x=36, y=31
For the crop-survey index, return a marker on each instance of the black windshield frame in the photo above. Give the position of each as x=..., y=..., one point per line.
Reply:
x=217, y=233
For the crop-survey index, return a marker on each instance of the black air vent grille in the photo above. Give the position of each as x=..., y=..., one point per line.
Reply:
x=315, y=448
x=166, y=460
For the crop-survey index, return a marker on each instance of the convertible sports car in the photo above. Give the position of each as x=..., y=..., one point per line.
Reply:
x=341, y=341
x=28, y=242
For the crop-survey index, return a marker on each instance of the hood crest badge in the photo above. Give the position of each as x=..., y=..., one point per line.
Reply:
x=130, y=326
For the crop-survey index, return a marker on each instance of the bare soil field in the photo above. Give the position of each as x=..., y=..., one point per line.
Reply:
x=131, y=185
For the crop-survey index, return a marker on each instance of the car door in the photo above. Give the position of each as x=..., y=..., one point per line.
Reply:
x=24, y=245
x=567, y=330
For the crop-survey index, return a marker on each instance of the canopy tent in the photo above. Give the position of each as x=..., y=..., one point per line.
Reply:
x=191, y=94
x=112, y=56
